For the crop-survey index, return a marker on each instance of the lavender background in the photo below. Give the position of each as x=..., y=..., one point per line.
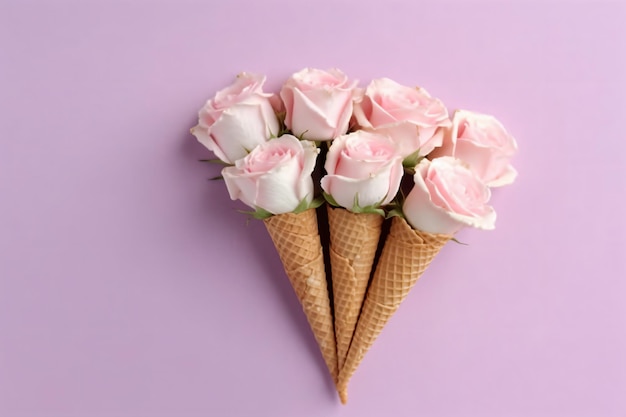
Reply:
x=129, y=285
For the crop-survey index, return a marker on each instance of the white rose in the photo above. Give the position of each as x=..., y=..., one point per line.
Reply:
x=362, y=167
x=446, y=197
x=275, y=176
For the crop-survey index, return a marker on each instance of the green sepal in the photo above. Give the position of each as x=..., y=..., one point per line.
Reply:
x=329, y=199
x=409, y=171
x=395, y=207
x=373, y=209
x=282, y=129
x=395, y=212
x=304, y=205
x=301, y=135
x=317, y=202
x=259, y=213
x=216, y=161
x=219, y=177
x=280, y=116
x=455, y=240
x=411, y=161
x=369, y=210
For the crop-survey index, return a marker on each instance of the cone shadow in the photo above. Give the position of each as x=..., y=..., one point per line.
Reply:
x=271, y=268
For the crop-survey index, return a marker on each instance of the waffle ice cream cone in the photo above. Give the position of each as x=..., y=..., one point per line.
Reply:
x=405, y=256
x=298, y=244
x=353, y=242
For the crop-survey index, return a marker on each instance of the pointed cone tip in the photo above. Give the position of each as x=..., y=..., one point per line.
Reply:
x=343, y=396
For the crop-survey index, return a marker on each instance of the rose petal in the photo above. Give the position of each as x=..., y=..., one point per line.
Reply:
x=240, y=129
x=276, y=189
x=422, y=214
x=362, y=108
x=508, y=176
x=308, y=121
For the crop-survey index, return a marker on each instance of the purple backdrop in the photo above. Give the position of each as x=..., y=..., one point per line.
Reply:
x=129, y=284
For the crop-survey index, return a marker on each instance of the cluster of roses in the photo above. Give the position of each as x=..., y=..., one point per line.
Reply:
x=373, y=138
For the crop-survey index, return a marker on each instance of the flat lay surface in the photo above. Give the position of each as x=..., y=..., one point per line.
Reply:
x=131, y=285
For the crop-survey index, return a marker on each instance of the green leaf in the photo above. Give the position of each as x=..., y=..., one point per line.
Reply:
x=219, y=177
x=330, y=200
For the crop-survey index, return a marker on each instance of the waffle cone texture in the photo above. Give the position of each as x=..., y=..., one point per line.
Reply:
x=297, y=241
x=353, y=243
x=405, y=256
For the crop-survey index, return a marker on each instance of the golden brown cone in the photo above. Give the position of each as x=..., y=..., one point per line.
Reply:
x=353, y=242
x=405, y=256
x=298, y=244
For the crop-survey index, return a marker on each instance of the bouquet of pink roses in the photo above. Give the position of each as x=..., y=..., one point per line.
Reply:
x=376, y=143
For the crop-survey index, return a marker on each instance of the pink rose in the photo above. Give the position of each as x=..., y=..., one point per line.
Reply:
x=318, y=103
x=275, y=176
x=362, y=167
x=482, y=142
x=410, y=116
x=237, y=119
x=447, y=196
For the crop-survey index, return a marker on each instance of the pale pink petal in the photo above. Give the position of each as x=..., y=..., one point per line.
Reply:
x=305, y=184
x=276, y=189
x=485, y=222
x=202, y=135
x=507, y=177
x=423, y=215
x=286, y=94
x=333, y=154
x=362, y=108
x=448, y=143
x=370, y=191
x=379, y=115
x=485, y=162
x=240, y=129
x=240, y=186
x=308, y=121
x=429, y=139
x=396, y=172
